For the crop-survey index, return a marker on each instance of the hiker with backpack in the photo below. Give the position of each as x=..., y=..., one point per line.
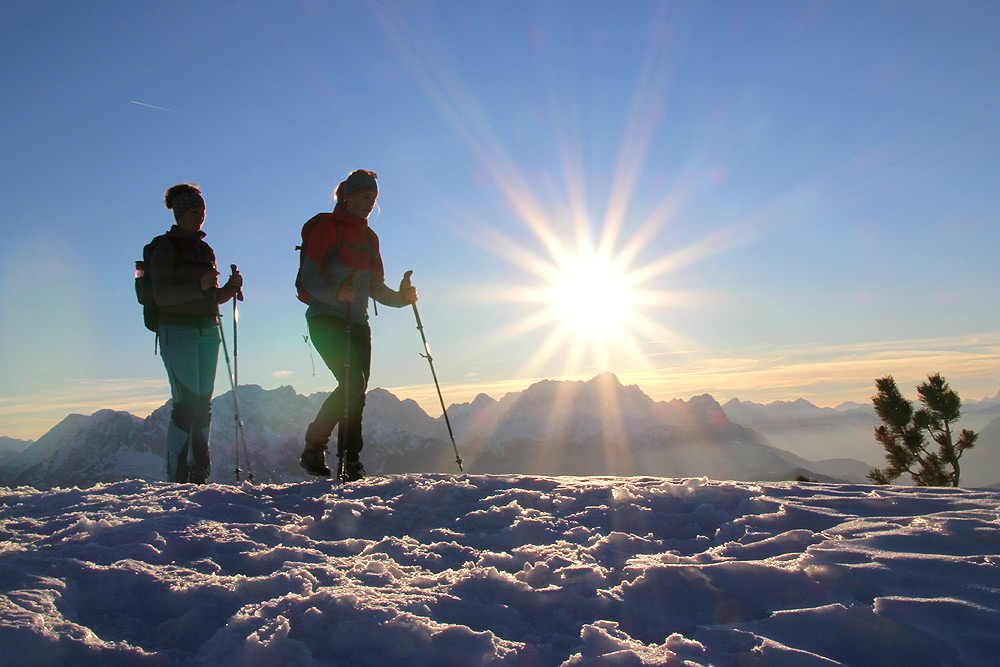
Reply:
x=339, y=269
x=186, y=297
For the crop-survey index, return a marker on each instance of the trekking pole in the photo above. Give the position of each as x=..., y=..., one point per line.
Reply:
x=241, y=437
x=430, y=360
x=342, y=429
x=236, y=404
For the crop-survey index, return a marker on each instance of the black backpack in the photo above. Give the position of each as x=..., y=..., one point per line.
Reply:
x=144, y=285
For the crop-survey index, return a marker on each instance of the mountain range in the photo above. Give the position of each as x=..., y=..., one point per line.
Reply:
x=597, y=427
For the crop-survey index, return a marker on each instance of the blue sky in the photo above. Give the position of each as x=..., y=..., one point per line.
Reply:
x=764, y=200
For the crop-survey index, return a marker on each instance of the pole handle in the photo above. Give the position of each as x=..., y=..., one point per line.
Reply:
x=232, y=270
x=406, y=284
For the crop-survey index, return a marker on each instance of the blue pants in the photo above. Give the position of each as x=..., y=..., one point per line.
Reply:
x=190, y=355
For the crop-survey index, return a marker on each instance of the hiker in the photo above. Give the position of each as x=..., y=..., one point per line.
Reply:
x=187, y=294
x=340, y=268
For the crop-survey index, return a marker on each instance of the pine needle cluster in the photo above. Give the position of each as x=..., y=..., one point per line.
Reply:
x=904, y=433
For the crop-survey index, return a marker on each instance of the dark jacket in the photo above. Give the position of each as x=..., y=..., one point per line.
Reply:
x=178, y=263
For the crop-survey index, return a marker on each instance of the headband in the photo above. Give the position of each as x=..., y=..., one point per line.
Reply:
x=188, y=200
x=360, y=181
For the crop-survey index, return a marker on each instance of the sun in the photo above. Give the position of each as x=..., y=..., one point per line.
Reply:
x=588, y=304
x=591, y=296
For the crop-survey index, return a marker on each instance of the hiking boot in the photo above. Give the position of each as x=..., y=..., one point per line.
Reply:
x=198, y=476
x=313, y=461
x=353, y=471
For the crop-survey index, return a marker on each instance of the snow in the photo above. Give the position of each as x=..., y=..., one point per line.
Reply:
x=433, y=569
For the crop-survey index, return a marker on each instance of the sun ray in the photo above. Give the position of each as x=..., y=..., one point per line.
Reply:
x=668, y=209
x=571, y=160
x=645, y=113
x=553, y=342
x=505, y=247
x=586, y=298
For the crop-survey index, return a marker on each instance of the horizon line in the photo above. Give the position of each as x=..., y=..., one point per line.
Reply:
x=826, y=375
x=420, y=394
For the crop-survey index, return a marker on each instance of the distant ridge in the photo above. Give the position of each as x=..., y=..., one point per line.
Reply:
x=11, y=447
x=553, y=427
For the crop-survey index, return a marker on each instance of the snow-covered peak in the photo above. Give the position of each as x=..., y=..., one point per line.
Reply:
x=386, y=413
x=599, y=426
x=77, y=450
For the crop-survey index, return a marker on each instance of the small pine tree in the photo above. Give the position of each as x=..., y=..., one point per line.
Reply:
x=902, y=433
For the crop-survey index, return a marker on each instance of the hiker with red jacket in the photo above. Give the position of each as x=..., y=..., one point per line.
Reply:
x=340, y=268
x=186, y=290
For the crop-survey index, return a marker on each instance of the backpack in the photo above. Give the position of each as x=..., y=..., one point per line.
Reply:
x=144, y=285
x=307, y=228
x=300, y=290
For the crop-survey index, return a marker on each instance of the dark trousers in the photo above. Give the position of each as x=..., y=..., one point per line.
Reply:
x=329, y=336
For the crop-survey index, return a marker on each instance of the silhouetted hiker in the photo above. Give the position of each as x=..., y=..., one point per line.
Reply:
x=186, y=290
x=339, y=269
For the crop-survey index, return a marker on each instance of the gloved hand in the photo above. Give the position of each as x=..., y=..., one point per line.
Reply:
x=209, y=279
x=407, y=291
x=235, y=281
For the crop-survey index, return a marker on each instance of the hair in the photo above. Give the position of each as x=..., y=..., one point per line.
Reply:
x=182, y=197
x=179, y=189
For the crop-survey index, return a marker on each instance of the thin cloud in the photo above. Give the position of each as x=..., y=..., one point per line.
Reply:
x=826, y=375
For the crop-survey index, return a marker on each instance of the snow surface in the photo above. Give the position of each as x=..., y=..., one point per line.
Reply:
x=514, y=570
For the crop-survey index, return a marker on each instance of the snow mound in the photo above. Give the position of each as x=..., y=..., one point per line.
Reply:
x=494, y=570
